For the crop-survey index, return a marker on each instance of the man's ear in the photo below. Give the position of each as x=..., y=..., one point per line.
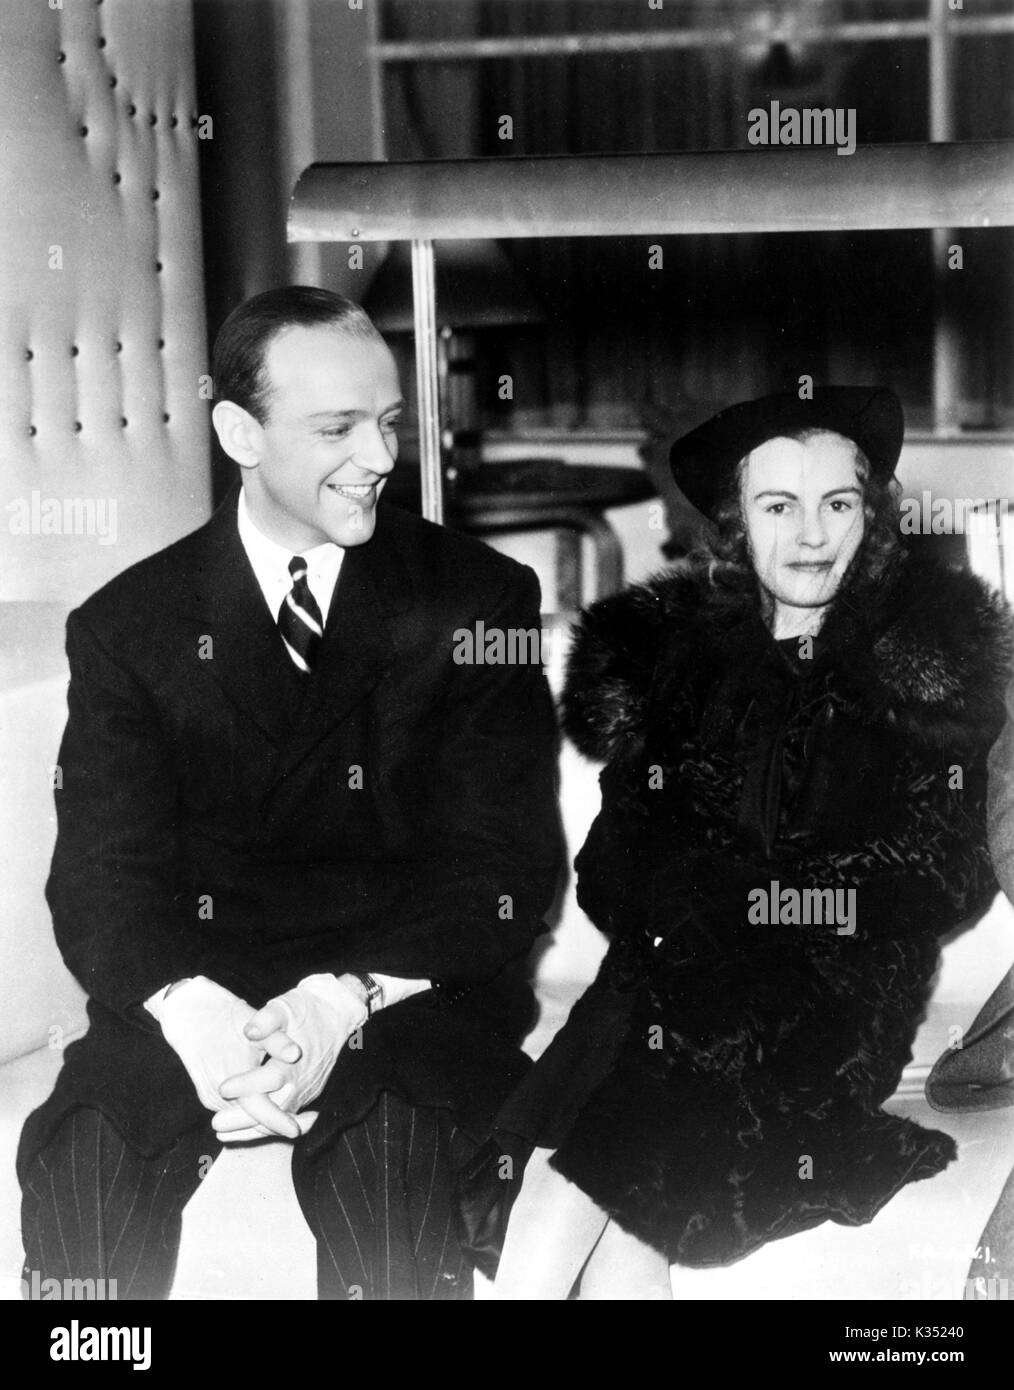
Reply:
x=238, y=433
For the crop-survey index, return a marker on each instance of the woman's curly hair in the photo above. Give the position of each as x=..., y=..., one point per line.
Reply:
x=725, y=554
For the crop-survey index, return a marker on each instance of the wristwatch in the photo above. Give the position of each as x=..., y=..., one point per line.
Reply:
x=374, y=990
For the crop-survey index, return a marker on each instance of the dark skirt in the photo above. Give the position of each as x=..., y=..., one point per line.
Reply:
x=699, y=1153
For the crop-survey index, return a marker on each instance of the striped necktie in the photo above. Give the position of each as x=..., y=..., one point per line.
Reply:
x=299, y=619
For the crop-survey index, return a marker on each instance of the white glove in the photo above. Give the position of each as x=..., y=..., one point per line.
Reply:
x=203, y=1024
x=319, y=1015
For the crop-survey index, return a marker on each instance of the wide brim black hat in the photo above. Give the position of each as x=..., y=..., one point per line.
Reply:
x=704, y=461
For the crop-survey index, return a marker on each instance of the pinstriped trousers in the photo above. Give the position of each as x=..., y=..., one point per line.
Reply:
x=377, y=1199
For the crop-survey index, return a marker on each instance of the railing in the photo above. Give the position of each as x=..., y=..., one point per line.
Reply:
x=879, y=187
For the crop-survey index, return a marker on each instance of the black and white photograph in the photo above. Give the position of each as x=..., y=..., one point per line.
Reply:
x=507, y=703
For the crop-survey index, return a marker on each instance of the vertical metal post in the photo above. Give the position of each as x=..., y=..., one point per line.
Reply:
x=296, y=121
x=424, y=305
x=946, y=348
x=376, y=78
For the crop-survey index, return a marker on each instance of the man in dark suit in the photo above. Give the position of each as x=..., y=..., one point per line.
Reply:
x=302, y=853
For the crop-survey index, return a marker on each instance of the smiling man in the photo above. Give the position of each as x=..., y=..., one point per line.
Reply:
x=302, y=854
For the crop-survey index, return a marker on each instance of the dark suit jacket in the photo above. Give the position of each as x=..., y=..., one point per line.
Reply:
x=210, y=823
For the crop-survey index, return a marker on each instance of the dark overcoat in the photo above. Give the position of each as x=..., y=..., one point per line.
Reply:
x=728, y=1068
x=221, y=815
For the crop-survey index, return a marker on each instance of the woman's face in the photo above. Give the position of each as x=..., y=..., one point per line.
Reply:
x=803, y=509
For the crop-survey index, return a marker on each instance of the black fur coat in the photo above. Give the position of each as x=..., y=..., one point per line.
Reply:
x=739, y=1099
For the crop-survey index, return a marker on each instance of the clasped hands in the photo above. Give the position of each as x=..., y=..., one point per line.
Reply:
x=257, y=1069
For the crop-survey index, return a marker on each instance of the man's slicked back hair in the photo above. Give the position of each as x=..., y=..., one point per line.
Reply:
x=238, y=359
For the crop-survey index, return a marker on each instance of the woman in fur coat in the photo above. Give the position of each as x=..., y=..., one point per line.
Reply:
x=794, y=730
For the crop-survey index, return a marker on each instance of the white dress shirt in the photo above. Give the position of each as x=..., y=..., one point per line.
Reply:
x=270, y=562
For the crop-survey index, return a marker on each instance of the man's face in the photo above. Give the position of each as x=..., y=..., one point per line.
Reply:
x=329, y=440
x=803, y=509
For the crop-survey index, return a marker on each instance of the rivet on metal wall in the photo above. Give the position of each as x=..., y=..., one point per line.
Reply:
x=29, y=354
x=153, y=119
x=161, y=344
x=117, y=178
x=119, y=347
x=83, y=130
x=113, y=81
x=158, y=267
x=174, y=121
x=123, y=422
x=165, y=417
x=155, y=195
x=74, y=350
x=61, y=57
x=102, y=42
x=32, y=431
x=131, y=110
x=77, y=426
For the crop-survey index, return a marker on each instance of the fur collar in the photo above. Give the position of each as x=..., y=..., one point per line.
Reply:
x=925, y=650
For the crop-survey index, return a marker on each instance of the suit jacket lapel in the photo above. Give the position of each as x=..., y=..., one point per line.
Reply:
x=247, y=657
x=359, y=645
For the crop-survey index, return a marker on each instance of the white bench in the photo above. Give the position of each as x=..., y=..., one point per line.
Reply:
x=243, y=1235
